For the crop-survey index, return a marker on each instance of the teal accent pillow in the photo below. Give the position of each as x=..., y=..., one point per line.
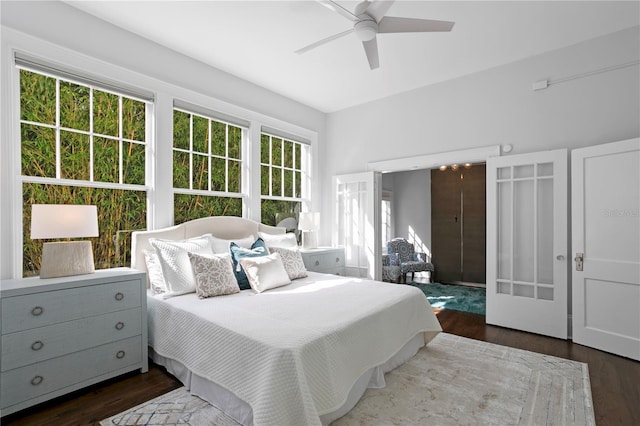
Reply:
x=259, y=248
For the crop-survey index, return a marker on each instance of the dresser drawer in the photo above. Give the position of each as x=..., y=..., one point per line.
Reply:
x=46, y=308
x=38, y=344
x=39, y=379
x=330, y=262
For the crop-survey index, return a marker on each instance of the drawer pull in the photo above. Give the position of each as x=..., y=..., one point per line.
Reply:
x=120, y=354
x=119, y=325
x=317, y=262
x=37, y=380
x=37, y=311
x=119, y=296
x=337, y=260
x=37, y=345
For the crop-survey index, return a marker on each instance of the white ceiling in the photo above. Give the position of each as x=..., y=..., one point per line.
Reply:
x=256, y=40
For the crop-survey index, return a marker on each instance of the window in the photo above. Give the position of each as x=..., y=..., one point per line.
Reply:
x=386, y=218
x=83, y=144
x=283, y=171
x=207, y=166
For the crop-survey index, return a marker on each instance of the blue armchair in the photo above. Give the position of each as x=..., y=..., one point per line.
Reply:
x=401, y=258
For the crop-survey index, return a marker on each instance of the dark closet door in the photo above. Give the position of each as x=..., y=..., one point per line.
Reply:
x=474, y=212
x=445, y=225
x=458, y=224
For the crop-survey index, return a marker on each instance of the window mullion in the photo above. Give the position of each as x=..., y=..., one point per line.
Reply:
x=210, y=153
x=91, y=177
x=190, y=151
x=58, y=142
x=226, y=159
x=120, y=137
x=282, y=194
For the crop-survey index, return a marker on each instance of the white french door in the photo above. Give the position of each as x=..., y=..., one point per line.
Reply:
x=357, y=220
x=606, y=239
x=527, y=236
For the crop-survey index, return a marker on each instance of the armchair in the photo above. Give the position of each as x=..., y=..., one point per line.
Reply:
x=402, y=258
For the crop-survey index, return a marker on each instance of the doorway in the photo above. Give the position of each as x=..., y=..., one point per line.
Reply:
x=458, y=223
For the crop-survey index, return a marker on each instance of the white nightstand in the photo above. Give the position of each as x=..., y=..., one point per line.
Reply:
x=328, y=260
x=62, y=334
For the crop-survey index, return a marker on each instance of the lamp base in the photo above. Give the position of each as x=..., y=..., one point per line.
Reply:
x=63, y=259
x=309, y=239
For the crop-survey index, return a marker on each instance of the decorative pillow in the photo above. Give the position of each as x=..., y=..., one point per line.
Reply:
x=222, y=246
x=176, y=267
x=258, y=248
x=265, y=272
x=292, y=261
x=154, y=268
x=214, y=275
x=287, y=240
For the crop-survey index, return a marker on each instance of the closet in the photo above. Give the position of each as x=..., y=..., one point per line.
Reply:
x=458, y=223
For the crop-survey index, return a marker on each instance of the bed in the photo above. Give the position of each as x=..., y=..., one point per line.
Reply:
x=299, y=354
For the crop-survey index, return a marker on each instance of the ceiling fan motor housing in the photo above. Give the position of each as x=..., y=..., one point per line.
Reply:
x=366, y=29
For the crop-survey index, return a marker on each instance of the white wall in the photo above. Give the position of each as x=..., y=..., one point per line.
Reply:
x=58, y=33
x=497, y=107
x=412, y=207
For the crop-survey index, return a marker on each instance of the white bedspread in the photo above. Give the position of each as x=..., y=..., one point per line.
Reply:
x=291, y=353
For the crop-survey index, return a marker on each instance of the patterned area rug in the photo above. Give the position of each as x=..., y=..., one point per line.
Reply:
x=455, y=297
x=451, y=381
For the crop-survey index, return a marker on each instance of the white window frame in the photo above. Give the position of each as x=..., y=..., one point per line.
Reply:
x=208, y=192
x=305, y=155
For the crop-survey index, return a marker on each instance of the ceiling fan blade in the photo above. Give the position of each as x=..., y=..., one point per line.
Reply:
x=391, y=24
x=332, y=5
x=379, y=8
x=323, y=41
x=371, y=49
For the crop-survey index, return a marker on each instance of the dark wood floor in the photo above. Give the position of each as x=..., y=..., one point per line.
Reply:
x=615, y=381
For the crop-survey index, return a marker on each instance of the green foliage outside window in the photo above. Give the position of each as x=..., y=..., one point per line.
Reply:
x=273, y=211
x=189, y=207
x=102, y=138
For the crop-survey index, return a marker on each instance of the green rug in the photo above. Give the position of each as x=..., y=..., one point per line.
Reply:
x=456, y=297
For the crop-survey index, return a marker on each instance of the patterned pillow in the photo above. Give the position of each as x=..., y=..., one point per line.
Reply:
x=214, y=275
x=176, y=268
x=156, y=279
x=257, y=249
x=265, y=272
x=292, y=260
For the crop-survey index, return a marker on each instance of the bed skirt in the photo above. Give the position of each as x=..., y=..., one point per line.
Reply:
x=239, y=410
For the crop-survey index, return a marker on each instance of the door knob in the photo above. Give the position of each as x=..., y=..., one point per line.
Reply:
x=579, y=261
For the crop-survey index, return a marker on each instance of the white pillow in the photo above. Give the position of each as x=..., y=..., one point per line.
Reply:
x=214, y=275
x=176, y=267
x=292, y=261
x=154, y=268
x=265, y=272
x=287, y=240
x=221, y=246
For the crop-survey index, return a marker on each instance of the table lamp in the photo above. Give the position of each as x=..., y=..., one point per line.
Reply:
x=61, y=259
x=309, y=223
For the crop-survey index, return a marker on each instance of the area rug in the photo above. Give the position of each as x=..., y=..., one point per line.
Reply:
x=451, y=381
x=456, y=297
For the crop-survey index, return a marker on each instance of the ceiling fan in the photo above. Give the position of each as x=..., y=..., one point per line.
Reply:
x=369, y=20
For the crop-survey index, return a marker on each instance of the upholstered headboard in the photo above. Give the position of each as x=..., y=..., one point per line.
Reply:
x=225, y=227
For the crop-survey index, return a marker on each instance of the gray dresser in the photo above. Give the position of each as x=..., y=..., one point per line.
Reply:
x=328, y=260
x=61, y=334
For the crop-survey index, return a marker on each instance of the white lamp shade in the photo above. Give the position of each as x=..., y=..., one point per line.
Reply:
x=309, y=221
x=63, y=221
